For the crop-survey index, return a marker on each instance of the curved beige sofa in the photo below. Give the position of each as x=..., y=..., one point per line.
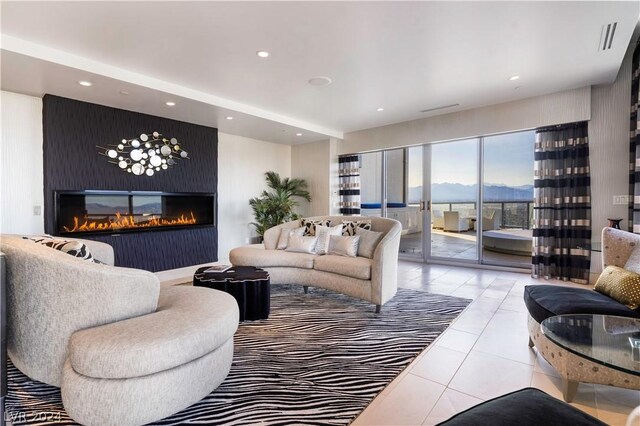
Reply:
x=123, y=350
x=373, y=280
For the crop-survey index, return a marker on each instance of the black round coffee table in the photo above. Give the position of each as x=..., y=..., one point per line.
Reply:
x=250, y=287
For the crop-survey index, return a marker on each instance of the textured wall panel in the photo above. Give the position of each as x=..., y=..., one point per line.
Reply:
x=163, y=250
x=72, y=129
x=21, y=164
x=609, y=149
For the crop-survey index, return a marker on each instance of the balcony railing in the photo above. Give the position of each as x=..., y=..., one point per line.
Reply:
x=513, y=214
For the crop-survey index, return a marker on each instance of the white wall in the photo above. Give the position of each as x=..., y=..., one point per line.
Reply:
x=21, y=177
x=242, y=163
x=311, y=162
x=555, y=108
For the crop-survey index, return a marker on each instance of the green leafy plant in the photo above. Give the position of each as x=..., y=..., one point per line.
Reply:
x=276, y=206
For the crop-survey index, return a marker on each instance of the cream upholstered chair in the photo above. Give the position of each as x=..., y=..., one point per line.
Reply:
x=617, y=246
x=491, y=221
x=543, y=301
x=123, y=350
x=437, y=219
x=453, y=222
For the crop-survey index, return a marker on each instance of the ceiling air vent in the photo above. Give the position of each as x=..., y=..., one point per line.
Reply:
x=440, y=107
x=606, y=37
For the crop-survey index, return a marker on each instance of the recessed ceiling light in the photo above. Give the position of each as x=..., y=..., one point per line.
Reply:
x=514, y=77
x=229, y=117
x=169, y=103
x=85, y=83
x=380, y=109
x=298, y=134
x=320, y=81
x=262, y=53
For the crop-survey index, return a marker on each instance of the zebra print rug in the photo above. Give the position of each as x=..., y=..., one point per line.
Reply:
x=320, y=358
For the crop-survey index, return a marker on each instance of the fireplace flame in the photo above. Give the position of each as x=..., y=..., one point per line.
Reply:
x=128, y=222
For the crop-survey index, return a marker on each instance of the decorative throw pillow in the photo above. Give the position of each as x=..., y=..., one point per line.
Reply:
x=351, y=225
x=323, y=233
x=39, y=238
x=302, y=244
x=633, y=263
x=285, y=234
x=73, y=248
x=368, y=242
x=620, y=285
x=310, y=225
x=344, y=246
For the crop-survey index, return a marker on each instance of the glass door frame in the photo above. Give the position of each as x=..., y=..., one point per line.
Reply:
x=426, y=193
x=427, y=255
x=426, y=196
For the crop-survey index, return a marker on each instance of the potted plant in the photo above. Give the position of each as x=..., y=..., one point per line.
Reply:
x=276, y=206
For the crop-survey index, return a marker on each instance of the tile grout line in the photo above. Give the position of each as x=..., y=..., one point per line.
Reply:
x=466, y=355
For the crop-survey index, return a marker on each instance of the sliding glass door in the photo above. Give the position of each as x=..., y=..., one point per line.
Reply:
x=454, y=200
x=404, y=203
x=478, y=195
x=391, y=186
x=507, y=199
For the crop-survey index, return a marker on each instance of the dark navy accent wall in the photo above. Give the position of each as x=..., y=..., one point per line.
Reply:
x=72, y=129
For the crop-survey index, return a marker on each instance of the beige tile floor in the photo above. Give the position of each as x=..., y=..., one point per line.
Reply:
x=482, y=355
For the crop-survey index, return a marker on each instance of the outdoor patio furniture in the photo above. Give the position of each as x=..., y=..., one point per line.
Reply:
x=490, y=221
x=454, y=223
x=437, y=219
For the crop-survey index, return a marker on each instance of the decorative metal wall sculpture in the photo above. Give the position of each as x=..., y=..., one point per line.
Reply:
x=146, y=154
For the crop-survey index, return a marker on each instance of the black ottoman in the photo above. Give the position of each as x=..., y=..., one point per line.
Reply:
x=544, y=301
x=526, y=407
x=248, y=285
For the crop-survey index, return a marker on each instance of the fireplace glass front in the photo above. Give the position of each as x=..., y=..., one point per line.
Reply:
x=120, y=211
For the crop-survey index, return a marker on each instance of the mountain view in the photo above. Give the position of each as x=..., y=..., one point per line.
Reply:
x=456, y=192
x=99, y=208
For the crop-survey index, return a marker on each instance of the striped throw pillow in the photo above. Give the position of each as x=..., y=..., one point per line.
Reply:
x=71, y=247
x=349, y=226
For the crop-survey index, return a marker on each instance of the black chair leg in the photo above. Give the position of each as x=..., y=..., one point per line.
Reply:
x=378, y=307
x=306, y=289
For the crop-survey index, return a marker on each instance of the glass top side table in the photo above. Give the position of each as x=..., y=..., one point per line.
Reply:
x=595, y=349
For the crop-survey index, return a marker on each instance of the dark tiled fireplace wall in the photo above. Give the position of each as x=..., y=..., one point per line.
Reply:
x=73, y=129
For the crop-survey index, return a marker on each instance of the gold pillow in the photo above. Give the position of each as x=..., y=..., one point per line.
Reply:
x=620, y=285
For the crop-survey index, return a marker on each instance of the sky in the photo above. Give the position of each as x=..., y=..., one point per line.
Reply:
x=508, y=160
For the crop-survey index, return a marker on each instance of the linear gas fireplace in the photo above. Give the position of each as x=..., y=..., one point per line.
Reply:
x=109, y=212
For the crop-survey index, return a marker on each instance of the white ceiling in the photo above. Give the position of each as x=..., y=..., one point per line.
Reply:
x=402, y=56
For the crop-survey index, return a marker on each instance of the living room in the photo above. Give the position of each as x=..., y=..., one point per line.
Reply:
x=383, y=110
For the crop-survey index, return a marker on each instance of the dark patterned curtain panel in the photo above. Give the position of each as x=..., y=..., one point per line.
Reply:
x=634, y=146
x=349, y=171
x=562, y=204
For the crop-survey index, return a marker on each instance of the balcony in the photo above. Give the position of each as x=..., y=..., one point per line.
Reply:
x=509, y=219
